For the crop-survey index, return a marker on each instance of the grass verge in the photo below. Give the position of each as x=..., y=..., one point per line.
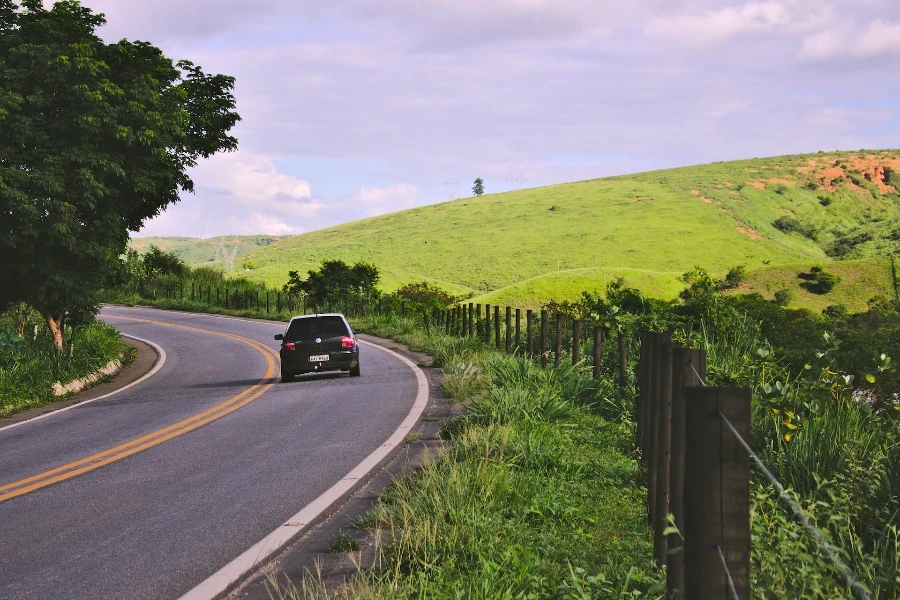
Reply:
x=537, y=496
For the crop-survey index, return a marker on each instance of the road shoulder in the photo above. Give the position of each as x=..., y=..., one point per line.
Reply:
x=308, y=555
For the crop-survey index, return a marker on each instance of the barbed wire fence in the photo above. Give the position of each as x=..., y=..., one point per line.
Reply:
x=693, y=442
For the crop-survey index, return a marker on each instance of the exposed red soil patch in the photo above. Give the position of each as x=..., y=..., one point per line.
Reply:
x=874, y=168
x=777, y=180
x=751, y=233
x=695, y=192
x=757, y=184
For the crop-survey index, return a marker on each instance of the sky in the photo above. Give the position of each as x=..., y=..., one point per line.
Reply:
x=355, y=108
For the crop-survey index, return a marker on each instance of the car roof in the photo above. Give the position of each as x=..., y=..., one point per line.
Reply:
x=318, y=315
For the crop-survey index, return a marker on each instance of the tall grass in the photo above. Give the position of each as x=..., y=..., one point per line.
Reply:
x=534, y=499
x=31, y=365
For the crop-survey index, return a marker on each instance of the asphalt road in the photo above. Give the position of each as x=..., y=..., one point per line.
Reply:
x=152, y=519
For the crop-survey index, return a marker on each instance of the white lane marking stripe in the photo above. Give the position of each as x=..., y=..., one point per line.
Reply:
x=160, y=361
x=221, y=580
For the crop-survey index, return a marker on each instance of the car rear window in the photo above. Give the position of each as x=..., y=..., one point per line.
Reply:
x=317, y=326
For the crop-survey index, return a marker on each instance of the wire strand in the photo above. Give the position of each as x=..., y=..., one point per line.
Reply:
x=734, y=594
x=858, y=590
x=694, y=369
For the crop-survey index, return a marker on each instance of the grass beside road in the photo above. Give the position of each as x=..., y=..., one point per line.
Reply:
x=30, y=365
x=538, y=496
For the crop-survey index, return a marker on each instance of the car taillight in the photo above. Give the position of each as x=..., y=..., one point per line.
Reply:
x=346, y=342
x=289, y=346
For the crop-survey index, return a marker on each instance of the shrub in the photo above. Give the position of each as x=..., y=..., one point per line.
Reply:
x=825, y=200
x=783, y=297
x=787, y=224
x=781, y=189
x=735, y=277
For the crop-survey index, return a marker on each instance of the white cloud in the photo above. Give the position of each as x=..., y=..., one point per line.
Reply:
x=239, y=193
x=380, y=200
x=880, y=38
x=716, y=26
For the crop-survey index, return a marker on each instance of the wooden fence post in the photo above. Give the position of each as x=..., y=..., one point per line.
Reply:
x=598, y=350
x=557, y=353
x=716, y=493
x=663, y=453
x=688, y=370
x=487, y=324
x=653, y=427
x=471, y=323
x=518, y=331
x=477, y=319
x=192, y=291
x=497, y=326
x=508, y=329
x=464, y=331
x=623, y=360
x=543, y=338
x=529, y=332
x=576, y=341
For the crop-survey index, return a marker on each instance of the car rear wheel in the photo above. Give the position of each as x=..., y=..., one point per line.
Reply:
x=286, y=375
x=354, y=371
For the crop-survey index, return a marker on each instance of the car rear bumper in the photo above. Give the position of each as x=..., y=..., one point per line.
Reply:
x=300, y=363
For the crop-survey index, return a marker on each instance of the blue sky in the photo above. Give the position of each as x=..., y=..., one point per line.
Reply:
x=355, y=108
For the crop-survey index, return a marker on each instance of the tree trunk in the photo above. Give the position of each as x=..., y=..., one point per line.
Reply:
x=55, y=323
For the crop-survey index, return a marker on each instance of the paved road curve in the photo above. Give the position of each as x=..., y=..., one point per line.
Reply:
x=145, y=499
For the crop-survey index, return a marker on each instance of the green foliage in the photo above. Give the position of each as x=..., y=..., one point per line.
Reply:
x=783, y=297
x=333, y=282
x=788, y=224
x=426, y=295
x=156, y=262
x=343, y=543
x=820, y=281
x=735, y=277
x=478, y=187
x=95, y=138
x=30, y=364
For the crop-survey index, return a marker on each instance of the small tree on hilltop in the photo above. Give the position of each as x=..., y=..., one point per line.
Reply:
x=333, y=281
x=478, y=188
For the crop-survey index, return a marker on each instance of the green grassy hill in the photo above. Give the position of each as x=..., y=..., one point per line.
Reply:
x=532, y=245
x=201, y=251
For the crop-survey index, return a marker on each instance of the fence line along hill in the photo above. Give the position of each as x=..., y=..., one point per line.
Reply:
x=776, y=215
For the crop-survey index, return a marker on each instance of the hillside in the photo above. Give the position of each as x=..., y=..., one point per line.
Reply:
x=552, y=242
x=199, y=251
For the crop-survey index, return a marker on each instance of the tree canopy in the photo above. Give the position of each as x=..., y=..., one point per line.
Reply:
x=333, y=282
x=95, y=138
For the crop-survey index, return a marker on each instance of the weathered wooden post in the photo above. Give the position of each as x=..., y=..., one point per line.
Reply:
x=508, y=329
x=688, y=370
x=623, y=360
x=716, y=493
x=557, y=351
x=477, y=318
x=192, y=291
x=543, y=338
x=653, y=426
x=598, y=350
x=471, y=324
x=487, y=324
x=518, y=330
x=497, y=327
x=663, y=453
x=576, y=341
x=529, y=331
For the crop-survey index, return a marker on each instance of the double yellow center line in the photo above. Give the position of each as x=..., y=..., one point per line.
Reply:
x=95, y=461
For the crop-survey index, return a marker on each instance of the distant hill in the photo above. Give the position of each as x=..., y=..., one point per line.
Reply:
x=777, y=216
x=200, y=251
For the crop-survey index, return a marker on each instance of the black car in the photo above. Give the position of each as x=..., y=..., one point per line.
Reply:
x=317, y=343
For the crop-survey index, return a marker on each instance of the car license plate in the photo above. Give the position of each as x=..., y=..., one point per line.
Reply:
x=318, y=358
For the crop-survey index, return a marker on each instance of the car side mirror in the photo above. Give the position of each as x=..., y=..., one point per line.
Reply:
x=280, y=336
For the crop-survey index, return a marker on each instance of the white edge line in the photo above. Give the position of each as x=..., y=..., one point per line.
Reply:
x=160, y=361
x=220, y=581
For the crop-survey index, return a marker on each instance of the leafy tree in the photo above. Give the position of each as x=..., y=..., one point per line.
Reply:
x=158, y=262
x=95, y=138
x=478, y=188
x=334, y=281
x=426, y=294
